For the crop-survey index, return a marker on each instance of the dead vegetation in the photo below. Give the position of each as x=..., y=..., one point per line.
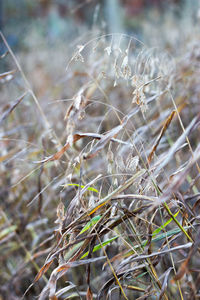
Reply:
x=100, y=186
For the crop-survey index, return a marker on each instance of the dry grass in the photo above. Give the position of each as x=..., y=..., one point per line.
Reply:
x=116, y=149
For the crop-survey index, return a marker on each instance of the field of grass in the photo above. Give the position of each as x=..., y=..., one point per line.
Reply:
x=100, y=171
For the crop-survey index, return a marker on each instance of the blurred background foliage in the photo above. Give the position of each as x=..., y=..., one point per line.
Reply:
x=60, y=20
x=44, y=31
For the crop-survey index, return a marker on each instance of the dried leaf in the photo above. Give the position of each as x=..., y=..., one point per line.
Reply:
x=77, y=263
x=143, y=257
x=179, y=179
x=10, y=109
x=178, y=143
x=76, y=137
x=103, y=142
x=42, y=271
x=184, y=266
x=182, y=270
x=89, y=295
x=165, y=126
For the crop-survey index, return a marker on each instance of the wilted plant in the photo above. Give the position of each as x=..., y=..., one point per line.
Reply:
x=104, y=202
